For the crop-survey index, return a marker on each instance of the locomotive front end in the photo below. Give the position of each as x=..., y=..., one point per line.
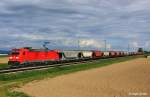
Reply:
x=14, y=57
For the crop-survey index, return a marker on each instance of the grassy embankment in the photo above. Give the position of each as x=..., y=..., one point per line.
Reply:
x=4, y=65
x=7, y=81
x=3, y=56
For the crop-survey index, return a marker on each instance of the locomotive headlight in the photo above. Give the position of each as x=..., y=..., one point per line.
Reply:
x=17, y=57
x=10, y=57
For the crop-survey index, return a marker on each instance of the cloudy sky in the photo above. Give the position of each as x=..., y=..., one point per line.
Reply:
x=65, y=23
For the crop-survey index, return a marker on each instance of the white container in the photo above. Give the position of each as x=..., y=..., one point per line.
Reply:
x=87, y=53
x=71, y=54
x=106, y=53
x=126, y=53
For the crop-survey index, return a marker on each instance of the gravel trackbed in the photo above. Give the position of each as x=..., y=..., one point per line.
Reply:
x=125, y=79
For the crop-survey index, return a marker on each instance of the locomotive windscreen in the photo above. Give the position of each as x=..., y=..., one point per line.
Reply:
x=15, y=52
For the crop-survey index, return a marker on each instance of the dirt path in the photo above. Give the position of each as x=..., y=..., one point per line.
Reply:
x=3, y=60
x=126, y=79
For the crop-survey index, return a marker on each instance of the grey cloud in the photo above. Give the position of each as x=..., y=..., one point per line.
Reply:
x=40, y=20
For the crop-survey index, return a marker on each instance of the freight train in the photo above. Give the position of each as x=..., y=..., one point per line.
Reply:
x=28, y=56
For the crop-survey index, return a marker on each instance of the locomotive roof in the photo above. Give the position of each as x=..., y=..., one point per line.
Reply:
x=35, y=49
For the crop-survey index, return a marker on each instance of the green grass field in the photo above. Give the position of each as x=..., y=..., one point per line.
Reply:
x=8, y=81
x=3, y=56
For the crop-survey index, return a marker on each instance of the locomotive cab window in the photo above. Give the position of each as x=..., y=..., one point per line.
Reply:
x=15, y=53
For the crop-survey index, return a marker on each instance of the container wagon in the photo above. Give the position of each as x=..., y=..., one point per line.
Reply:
x=72, y=54
x=97, y=54
x=106, y=53
x=87, y=54
x=112, y=54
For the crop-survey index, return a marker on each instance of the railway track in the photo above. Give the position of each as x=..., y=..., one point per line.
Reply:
x=40, y=67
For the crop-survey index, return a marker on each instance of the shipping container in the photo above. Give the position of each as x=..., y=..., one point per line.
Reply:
x=126, y=53
x=112, y=53
x=97, y=54
x=106, y=53
x=71, y=54
x=117, y=53
x=87, y=53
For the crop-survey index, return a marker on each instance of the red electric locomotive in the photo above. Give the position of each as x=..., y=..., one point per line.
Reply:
x=28, y=55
